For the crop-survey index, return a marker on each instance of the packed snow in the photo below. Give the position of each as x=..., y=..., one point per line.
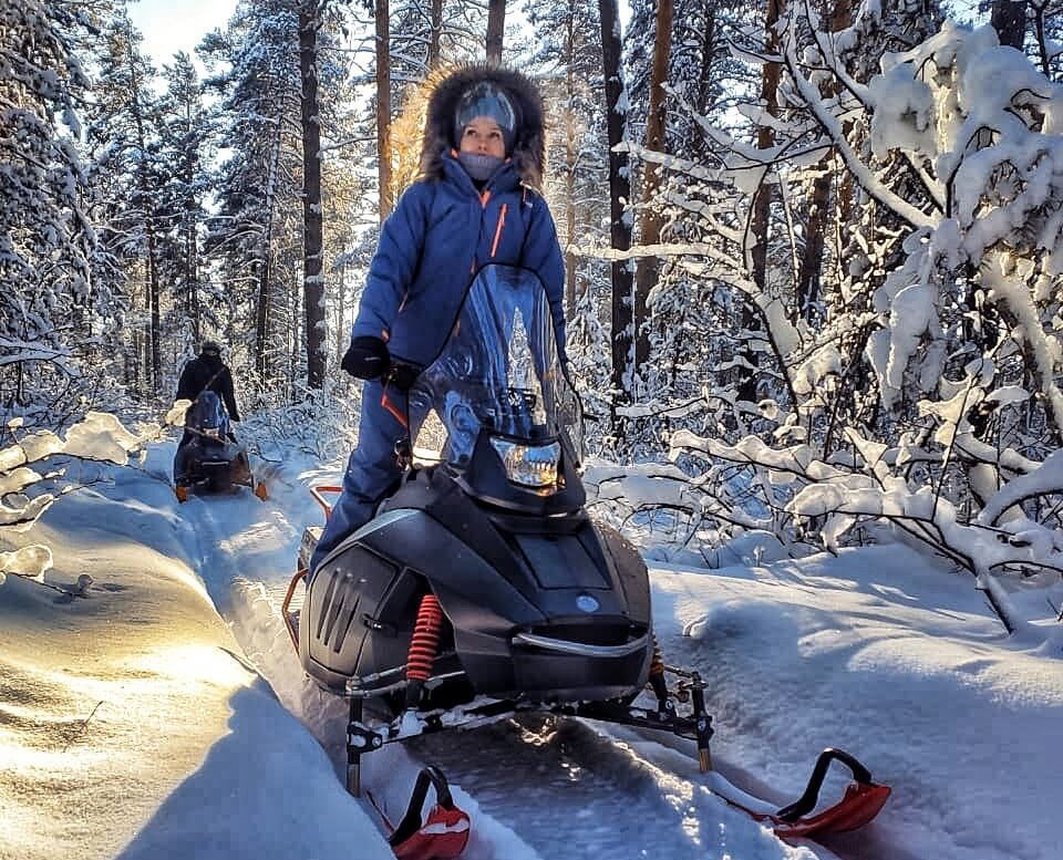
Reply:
x=153, y=705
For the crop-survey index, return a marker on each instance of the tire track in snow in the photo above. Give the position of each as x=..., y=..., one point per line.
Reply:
x=562, y=783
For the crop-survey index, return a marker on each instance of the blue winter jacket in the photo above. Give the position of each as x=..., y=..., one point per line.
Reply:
x=441, y=232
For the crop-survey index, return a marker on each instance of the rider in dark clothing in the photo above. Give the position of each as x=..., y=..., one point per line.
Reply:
x=208, y=436
x=208, y=371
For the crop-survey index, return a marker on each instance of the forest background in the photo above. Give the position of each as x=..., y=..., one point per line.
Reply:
x=813, y=248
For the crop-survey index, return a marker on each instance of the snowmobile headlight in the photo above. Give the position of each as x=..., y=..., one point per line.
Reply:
x=532, y=466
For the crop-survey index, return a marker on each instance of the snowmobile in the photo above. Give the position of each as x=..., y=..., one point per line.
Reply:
x=482, y=589
x=210, y=460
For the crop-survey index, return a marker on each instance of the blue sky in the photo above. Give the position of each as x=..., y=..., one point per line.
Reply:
x=170, y=26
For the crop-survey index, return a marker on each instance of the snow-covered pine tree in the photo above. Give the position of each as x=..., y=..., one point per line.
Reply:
x=122, y=138
x=687, y=311
x=566, y=58
x=255, y=238
x=186, y=150
x=51, y=311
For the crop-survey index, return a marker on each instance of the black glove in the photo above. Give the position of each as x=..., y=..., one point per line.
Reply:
x=366, y=357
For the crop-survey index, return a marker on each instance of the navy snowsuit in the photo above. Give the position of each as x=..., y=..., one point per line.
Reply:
x=430, y=248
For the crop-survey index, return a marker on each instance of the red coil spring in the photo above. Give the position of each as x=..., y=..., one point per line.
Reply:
x=425, y=642
x=656, y=663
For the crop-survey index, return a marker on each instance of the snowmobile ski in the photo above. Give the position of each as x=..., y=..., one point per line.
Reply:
x=441, y=835
x=862, y=801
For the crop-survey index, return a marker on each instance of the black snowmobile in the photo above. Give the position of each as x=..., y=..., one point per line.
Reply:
x=482, y=588
x=209, y=459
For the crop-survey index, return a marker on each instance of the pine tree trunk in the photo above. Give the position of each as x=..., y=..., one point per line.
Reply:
x=570, y=164
x=496, y=23
x=313, y=282
x=619, y=192
x=811, y=267
x=1008, y=18
x=262, y=311
x=187, y=230
x=650, y=226
x=146, y=193
x=156, y=317
x=383, y=108
x=264, y=262
x=192, y=271
x=339, y=305
x=710, y=34
x=769, y=88
x=293, y=350
x=437, y=29
x=761, y=215
x=810, y=271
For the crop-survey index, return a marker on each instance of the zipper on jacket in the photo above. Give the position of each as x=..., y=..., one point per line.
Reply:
x=499, y=228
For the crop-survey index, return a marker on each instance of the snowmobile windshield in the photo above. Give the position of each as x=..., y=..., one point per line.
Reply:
x=207, y=416
x=499, y=371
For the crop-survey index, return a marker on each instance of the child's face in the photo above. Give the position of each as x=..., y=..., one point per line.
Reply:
x=483, y=136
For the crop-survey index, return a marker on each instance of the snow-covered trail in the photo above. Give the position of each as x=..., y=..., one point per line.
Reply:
x=871, y=651
x=581, y=785
x=534, y=790
x=130, y=726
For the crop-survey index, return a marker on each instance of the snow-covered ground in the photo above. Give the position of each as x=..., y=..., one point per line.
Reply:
x=162, y=712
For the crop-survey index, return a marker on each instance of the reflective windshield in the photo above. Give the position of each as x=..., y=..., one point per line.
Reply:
x=499, y=371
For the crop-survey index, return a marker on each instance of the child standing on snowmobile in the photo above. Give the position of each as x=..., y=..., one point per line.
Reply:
x=475, y=204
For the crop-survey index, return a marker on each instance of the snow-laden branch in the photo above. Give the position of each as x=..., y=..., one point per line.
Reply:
x=99, y=436
x=832, y=127
x=1045, y=480
x=875, y=490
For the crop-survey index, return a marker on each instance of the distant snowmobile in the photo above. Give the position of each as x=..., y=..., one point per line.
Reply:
x=482, y=588
x=211, y=460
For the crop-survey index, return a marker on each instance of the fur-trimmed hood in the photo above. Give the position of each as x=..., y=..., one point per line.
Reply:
x=529, y=149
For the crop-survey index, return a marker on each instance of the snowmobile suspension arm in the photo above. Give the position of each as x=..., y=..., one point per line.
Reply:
x=696, y=727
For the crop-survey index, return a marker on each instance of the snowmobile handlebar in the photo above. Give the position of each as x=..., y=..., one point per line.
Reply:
x=402, y=374
x=318, y=494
